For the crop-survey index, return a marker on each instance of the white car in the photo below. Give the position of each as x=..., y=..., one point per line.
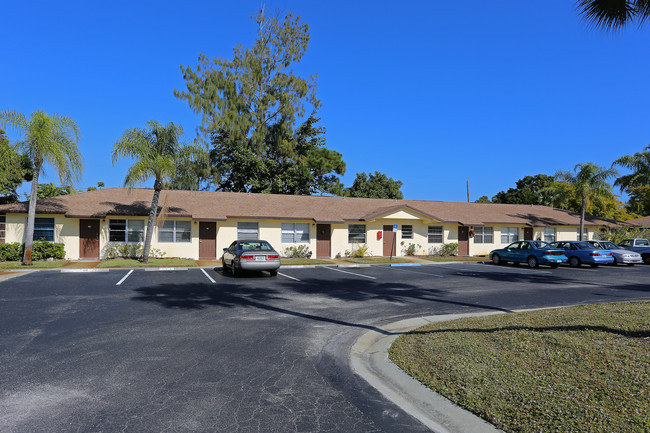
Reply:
x=621, y=255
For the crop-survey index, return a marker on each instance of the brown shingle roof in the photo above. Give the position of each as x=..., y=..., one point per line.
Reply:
x=640, y=222
x=206, y=205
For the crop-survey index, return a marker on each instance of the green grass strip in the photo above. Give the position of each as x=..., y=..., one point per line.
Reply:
x=578, y=369
x=40, y=264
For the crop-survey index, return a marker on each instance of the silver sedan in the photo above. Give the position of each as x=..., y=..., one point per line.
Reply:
x=620, y=255
x=250, y=255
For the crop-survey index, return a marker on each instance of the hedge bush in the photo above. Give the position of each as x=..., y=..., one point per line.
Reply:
x=41, y=250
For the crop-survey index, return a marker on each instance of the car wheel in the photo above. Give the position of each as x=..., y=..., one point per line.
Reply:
x=234, y=269
x=574, y=262
x=646, y=260
x=533, y=262
x=496, y=259
x=273, y=273
x=224, y=268
x=554, y=265
x=615, y=262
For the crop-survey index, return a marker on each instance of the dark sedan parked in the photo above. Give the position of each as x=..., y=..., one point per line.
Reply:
x=250, y=255
x=534, y=253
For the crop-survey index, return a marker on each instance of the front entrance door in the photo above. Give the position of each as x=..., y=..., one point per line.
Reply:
x=88, y=239
x=323, y=241
x=207, y=240
x=389, y=240
x=463, y=240
x=528, y=233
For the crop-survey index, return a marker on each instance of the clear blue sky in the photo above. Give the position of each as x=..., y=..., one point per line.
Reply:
x=429, y=92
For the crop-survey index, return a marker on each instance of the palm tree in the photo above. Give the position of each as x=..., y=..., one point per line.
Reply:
x=47, y=139
x=157, y=150
x=614, y=14
x=639, y=163
x=590, y=181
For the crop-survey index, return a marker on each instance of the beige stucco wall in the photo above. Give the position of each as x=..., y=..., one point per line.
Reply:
x=66, y=230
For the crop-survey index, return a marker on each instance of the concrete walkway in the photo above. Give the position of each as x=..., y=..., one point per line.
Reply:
x=369, y=359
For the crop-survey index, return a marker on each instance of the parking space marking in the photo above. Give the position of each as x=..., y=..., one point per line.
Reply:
x=208, y=276
x=288, y=276
x=412, y=271
x=347, y=272
x=119, y=283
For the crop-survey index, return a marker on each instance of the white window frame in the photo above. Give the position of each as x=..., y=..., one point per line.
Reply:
x=127, y=230
x=550, y=234
x=435, y=234
x=175, y=231
x=509, y=235
x=482, y=234
x=357, y=233
x=47, y=229
x=295, y=233
x=248, y=230
x=407, y=231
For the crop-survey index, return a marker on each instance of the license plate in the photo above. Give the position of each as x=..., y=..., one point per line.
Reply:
x=260, y=258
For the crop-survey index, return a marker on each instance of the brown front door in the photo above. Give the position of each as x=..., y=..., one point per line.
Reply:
x=323, y=241
x=88, y=239
x=463, y=240
x=207, y=240
x=528, y=233
x=389, y=239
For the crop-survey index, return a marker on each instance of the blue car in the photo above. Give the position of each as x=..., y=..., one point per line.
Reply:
x=579, y=252
x=534, y=253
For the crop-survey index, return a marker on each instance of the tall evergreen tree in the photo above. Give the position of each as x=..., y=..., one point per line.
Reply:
x=47, y=139
x=15, y=168
x=376, y=185
x=251, y=109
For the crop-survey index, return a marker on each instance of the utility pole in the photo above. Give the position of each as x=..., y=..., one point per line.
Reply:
x=467, y=190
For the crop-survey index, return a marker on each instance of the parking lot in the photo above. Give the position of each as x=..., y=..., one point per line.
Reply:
x=199, y=350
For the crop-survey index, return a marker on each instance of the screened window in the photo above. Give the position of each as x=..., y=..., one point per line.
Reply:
x=2, y=229
x=585, y=234
x=126, y=230
x=549, y=234
x=357, y=233
x=483, y=235
x=248, y=231
x=509, y=234
x=407, y=232
x=175, y=231
x=44, y=229
x=295, y=233
x=435, y=234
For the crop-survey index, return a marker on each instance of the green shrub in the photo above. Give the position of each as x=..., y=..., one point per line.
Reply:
x=411, y=249
x=359, y=252
x=12, y=252
x=297, y=252
x=130, y=251
x=43, y=250
x=617, y=235
x=446, y=250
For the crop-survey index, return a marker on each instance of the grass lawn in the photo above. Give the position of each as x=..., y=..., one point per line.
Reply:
x=40, y=264
x=289, y=261
x=153, y=263
x=454, y=258
x=578, y=369
x=375, y=260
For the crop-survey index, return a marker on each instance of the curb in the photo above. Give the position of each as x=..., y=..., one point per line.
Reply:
x=369, y=359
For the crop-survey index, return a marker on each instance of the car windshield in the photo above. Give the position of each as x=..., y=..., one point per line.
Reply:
x=255, y=246
x=542, y=244
x=584, y=246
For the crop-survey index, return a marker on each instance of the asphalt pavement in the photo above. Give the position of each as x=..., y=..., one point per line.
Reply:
x=197, y=350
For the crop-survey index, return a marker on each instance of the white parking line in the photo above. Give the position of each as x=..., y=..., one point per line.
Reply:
x=412, y=271
x=209, y=277
x=346, y=272
x=284, y=275
x=124, y=277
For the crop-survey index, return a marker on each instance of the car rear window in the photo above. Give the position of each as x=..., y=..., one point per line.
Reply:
x=584, y=246
x=256, y=246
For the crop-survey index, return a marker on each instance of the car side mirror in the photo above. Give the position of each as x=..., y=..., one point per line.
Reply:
x=225, y=250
